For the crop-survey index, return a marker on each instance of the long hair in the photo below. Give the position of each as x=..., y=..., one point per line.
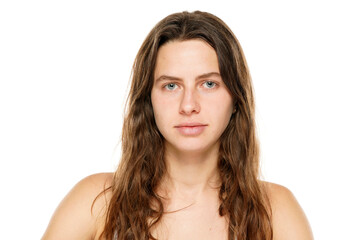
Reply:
x=134, y=207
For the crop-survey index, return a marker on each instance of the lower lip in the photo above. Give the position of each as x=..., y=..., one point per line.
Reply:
x=191, y=131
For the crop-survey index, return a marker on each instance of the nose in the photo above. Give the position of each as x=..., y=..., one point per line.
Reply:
x=189, y=103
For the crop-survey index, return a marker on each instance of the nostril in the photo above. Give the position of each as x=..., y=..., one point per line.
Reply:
x=189, y=102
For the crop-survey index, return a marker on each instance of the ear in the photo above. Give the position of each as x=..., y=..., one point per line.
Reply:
x=234, y=109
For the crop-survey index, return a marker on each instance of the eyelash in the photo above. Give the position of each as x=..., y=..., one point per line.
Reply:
x=168, y=85
x=214, y=85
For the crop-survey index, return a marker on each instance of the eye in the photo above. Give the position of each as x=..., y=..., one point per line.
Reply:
x=170, y=86
x=209, y=84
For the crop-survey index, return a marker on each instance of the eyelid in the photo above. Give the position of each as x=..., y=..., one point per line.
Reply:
x=167, y=84
x=216, y=84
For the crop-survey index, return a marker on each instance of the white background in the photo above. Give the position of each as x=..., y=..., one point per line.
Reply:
x=64, y=70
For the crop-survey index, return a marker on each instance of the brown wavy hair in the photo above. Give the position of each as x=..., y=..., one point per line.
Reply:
x=134, y=207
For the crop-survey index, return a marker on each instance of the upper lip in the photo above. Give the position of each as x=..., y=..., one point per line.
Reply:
x=190, y=124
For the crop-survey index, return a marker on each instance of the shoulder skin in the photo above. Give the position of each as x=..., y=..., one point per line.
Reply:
x=75, y=218
x=289, y=220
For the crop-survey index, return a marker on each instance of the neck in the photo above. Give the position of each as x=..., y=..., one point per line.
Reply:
x=191, y=173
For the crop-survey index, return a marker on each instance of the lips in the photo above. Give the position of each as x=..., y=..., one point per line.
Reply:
x=191, y=129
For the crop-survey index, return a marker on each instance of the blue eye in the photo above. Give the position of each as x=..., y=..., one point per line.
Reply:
x=210, y=84
x=171, y=86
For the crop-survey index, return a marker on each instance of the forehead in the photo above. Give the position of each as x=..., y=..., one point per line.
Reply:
x=185, y=58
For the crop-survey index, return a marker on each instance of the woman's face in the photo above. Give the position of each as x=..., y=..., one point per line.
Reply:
x=191, y=103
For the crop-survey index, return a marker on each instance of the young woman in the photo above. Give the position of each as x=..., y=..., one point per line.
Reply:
x=189, y=167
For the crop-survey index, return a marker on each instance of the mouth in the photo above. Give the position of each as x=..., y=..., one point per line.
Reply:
x=191, y=129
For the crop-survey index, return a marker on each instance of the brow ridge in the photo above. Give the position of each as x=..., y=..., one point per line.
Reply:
x=205, y=75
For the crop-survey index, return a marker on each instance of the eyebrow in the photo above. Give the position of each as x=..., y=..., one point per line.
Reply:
x=205, y=75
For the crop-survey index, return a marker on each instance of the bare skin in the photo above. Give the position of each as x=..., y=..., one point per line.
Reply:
x=187, y=89
x=73, y=220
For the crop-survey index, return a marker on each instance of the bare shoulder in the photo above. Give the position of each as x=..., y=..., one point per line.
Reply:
x=78, y=216
x=289, y=220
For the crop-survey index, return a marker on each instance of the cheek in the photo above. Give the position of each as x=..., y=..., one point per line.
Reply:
x=156, y=108
x=163, y=111
x=221, y=110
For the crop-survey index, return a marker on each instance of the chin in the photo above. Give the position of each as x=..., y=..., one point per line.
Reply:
x=192, y=147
